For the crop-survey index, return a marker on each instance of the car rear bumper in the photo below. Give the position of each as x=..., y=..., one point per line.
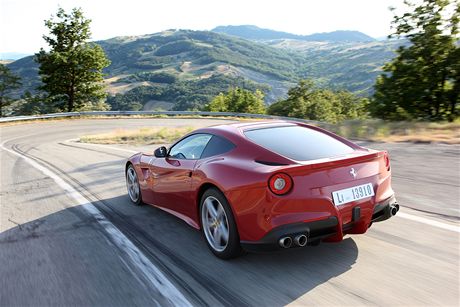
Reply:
x=316, y=231
x=382, y=210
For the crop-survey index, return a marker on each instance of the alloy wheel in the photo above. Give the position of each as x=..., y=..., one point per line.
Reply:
x=132, y=184
x=215, y=223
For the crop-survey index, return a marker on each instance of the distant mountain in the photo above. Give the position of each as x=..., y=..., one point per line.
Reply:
x=184, y=69
x=27, y=69
x=339, y=36
x=12, y=55
x=256, y=33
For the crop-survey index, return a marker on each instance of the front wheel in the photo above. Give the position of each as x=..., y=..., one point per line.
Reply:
x=132, y=183
x=218, y=225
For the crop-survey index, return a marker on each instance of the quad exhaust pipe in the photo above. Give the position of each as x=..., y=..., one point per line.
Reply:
x=299, y=240
x=394, y=209
x=285, y=242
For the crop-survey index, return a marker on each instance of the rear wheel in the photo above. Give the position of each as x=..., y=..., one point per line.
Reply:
x=132, y=183
x=218, y=225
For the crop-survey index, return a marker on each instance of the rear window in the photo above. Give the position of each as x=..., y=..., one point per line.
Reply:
x=298, y=143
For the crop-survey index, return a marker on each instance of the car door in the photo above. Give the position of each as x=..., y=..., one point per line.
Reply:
x=172, y=175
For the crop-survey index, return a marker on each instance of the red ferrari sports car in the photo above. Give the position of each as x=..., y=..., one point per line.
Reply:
x=265, y=185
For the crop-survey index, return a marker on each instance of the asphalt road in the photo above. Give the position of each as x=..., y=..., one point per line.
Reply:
x=69, y=236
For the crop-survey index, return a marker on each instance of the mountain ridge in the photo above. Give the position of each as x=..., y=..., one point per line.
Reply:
x=12, y=56
x=256, y=33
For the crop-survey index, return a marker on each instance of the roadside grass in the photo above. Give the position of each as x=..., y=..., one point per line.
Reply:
x=142, y=136
x=384, y=131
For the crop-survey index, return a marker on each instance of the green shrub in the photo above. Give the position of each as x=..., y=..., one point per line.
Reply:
x=310, y=102
x=238, y=100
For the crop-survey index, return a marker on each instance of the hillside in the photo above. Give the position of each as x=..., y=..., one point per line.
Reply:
x=338, y=59
x=27, y=69
x=350, y=65
x=174, y=65
x=255, y=33
x=196, y=49
x=183, y=69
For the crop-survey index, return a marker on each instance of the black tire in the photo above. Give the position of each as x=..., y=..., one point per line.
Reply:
x=233, y=248
x=135, y=200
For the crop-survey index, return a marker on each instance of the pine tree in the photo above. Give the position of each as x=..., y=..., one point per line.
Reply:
x=71, y=71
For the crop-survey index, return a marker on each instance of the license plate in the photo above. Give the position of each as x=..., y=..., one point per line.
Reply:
x=358, y=192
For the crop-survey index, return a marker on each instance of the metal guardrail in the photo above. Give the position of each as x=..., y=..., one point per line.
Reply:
x=152, y=113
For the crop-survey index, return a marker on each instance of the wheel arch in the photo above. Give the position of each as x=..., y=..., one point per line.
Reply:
x=134, y=161
x=127, y=164
x=203, y=188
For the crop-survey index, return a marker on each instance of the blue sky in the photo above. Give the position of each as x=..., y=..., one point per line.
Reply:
x=21, y=21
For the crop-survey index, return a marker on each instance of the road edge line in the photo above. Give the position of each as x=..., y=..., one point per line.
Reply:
x=427, y=221
x=137, y=258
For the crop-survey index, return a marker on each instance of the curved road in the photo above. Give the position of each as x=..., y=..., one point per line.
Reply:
x=69, y=236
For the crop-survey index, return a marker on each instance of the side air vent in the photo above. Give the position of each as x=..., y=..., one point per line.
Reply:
x=270, y=163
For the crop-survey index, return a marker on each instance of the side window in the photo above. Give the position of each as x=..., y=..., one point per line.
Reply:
x=216, y=146
x=191, y=147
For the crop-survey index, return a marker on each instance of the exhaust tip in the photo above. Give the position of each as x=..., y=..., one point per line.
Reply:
x=301, y=240
x=285, y=242
x=393, y=210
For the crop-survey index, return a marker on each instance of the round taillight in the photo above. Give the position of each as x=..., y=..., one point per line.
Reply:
x=280, y=183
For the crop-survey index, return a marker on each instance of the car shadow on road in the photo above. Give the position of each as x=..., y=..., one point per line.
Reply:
x=273, y=279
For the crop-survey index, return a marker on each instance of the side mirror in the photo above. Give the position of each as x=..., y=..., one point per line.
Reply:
x=160, y=152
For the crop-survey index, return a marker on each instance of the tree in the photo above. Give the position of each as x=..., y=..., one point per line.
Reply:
x=8, y=82
x=310, y=102
x=32, y=105
x=239, y=101
x=71, y=71
x=422, y=82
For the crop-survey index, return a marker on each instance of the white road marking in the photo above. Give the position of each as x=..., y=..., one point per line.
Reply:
x=137, y=260
x=428, y=221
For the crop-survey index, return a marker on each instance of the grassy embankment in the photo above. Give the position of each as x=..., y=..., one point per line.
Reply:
x=373, y=130
x=139, y=136
x=383, y=131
